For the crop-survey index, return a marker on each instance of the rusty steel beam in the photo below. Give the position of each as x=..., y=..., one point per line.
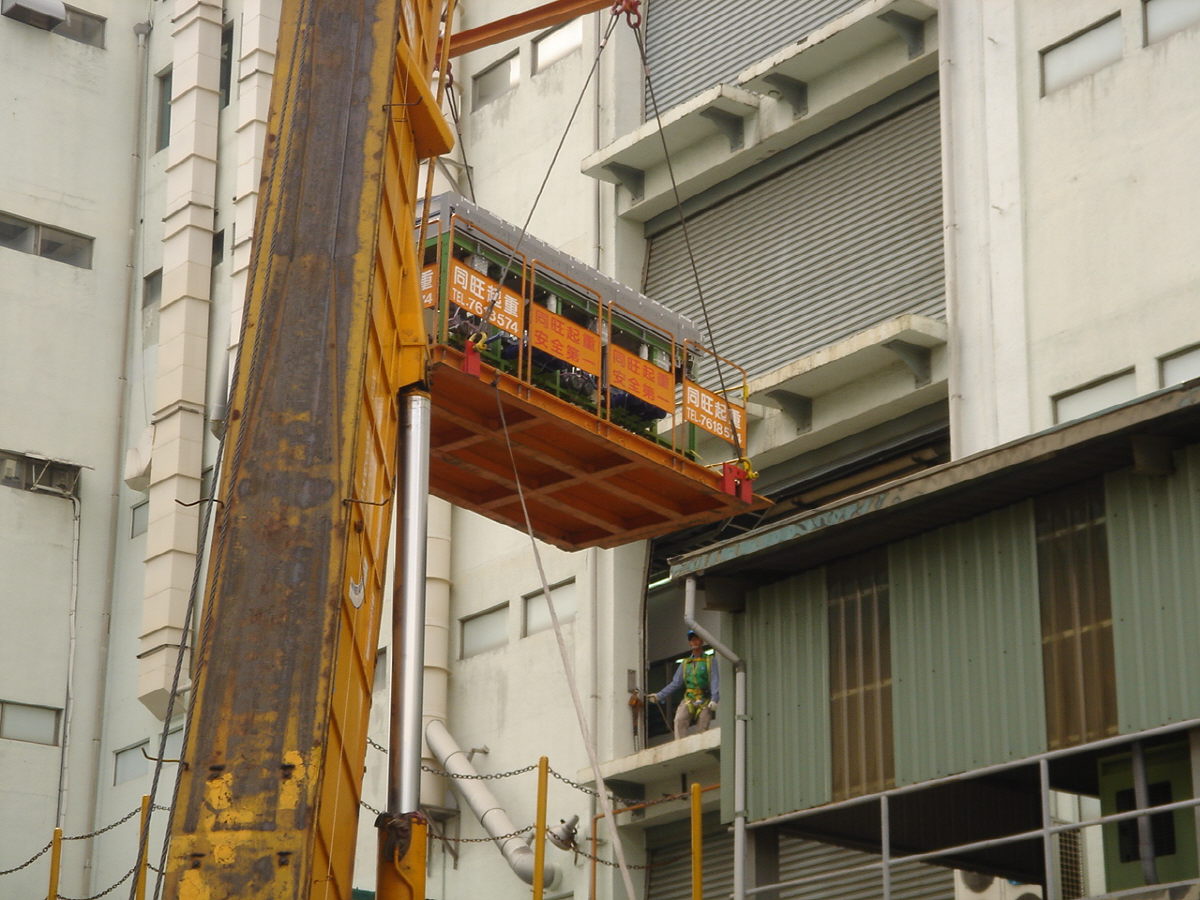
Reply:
x=545, y=16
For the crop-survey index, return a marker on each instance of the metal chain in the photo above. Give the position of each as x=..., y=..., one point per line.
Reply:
x=501, y=837
x=121, y=821
x=365, y=805
x=108, y=890
x=606, y=862
x=433, y=771
x=28, y=862
x=69, y=837
x=594, y=793
x=377, y=745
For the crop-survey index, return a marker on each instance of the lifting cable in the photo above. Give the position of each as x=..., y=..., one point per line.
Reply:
x=687, y=241
x=568, y=667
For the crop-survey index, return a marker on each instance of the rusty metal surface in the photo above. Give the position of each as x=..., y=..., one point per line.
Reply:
x=587, y=482
x=957, y=490
x=268, y=802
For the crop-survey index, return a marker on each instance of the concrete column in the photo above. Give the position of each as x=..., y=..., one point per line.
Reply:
x=984, y=224
x=179, y=391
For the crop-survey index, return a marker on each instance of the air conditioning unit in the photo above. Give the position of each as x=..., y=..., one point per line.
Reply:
x=44, y=14
x=10, y=470
x=977, y=886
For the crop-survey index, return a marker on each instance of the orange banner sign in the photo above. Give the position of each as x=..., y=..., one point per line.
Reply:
x=713, y=413
x=563, y=339
x=475, y=293
x=429, y=292
x=641, y=378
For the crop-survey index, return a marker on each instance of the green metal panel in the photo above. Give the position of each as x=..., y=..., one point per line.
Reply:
x=783, y=638
x=966, y=646
x=1153, y=548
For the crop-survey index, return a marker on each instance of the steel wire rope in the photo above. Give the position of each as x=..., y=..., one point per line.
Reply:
x=512, y=256
x=687, y=241
x=219, y=538
x=454, y=114
x=568, y=669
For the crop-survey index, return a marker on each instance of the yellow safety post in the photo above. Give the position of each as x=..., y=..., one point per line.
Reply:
x=539, y=840
x=697, y=846
x=55, y=860
x=140, y=889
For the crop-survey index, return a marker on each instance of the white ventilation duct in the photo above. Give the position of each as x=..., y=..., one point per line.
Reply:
x=481, y=801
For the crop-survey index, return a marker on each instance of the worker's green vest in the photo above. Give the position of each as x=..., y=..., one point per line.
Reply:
x=696, y=671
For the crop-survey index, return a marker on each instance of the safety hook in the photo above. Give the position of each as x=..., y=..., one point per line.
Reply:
x=632, y=10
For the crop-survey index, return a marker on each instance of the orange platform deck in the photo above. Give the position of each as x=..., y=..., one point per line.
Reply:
x=587, y=482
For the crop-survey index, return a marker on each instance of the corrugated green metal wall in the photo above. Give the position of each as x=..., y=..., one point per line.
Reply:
x=785, y=641
x=966, y=646
x=1154, y=567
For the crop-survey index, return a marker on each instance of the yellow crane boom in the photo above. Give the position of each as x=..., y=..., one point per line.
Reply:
x=268, y=803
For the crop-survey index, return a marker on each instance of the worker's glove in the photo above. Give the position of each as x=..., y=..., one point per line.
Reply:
x=652, y=698
x=712, y=705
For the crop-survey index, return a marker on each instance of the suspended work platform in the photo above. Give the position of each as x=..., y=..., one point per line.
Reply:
x=587, y=387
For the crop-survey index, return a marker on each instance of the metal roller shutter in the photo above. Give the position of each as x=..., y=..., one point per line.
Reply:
x=813, y=254
x=681, y=49
x=670, y=875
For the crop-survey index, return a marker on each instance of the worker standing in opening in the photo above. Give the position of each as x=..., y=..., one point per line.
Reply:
x=697, y=675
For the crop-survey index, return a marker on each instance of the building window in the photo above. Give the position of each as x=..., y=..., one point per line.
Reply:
x=1162, y=825
x=226, y=63
x=83, y=27
x=29, y=473
x=1094, y=397
x=860, y=675
x=131, y=763
x=553, y=45
x=1081, y=54
x=218, y=248
x=162, y=117
x=151, y=303
x=498, y=78
x=139, y=518
x=1165, y=17
x=1077, y=640
x=45, y=241
x=537, y=613
x=34, y=724
x=1182, y=366
x=485, y=631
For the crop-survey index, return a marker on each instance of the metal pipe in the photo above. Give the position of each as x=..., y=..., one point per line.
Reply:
x=977, y=773
x=624, y=809
x=539, y=830
x=408, y=616
x=697, y=845
x=1035, y=834
x=480, y=799
x=139, y=889
x=55, y=863
x=885, y=841
x=739, y=736
x=1047, y=835
x=1141, y=799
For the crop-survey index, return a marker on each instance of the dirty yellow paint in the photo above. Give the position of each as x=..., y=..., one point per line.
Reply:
x=223, y=854
x=193, y=887
x=291, y=787
x=218, y=792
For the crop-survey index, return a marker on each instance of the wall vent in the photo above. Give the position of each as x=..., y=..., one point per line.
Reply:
x=44, y=14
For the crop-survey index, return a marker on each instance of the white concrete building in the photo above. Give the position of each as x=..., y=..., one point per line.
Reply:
x=925, y=228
